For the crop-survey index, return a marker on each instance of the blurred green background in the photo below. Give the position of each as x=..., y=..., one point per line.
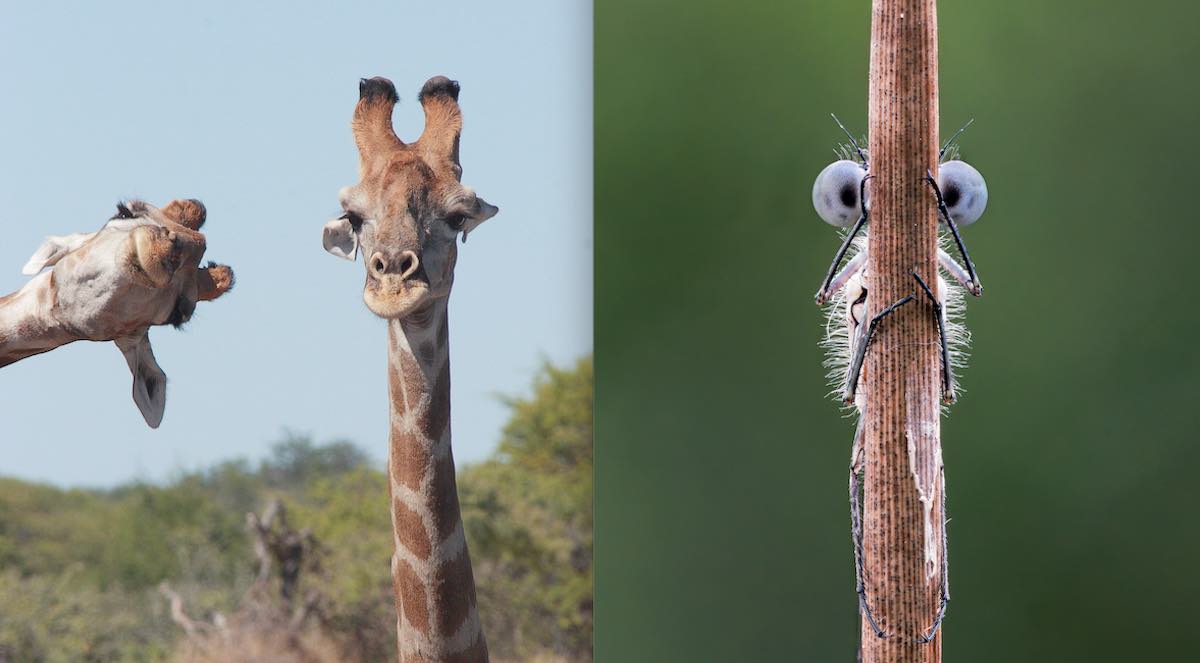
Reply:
x=1071, y=458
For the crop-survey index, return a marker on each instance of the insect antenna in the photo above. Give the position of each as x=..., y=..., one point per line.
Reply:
x=861, y=154
x=948, y=143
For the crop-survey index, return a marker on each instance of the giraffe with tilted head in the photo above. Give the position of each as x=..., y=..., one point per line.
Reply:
x=404, y=216
x=141, y=269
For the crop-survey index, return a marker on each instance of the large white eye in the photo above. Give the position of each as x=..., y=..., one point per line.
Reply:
x=963, y=190
x=835, y=193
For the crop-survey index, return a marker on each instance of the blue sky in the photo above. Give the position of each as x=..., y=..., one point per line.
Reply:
x=247, y=107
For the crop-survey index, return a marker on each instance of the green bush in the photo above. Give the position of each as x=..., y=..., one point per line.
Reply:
x=79, y=568
x=528, y=515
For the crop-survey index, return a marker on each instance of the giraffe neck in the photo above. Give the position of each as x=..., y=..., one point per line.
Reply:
x=431, y=569
x=27, y=322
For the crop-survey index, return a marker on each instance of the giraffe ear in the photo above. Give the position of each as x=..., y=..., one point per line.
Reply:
x=482, y=212
x=344, y=237
x=52, y=250
x=340, y=239
x=149, y=381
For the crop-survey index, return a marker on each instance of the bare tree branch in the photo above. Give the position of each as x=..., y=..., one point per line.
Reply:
x=280, y=547
x=190, y=626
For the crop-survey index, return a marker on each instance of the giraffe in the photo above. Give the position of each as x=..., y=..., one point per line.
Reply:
x=404, y=215
x=141, y=269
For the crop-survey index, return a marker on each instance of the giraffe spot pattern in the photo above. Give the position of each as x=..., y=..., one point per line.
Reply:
x=432, y=572
x=409, y=527
x=411, y=595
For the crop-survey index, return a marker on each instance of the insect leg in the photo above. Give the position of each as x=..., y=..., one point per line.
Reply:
x=975, y=287
x=947, y=371
x=853, y=266
x=945, y=598
x=860, y=351
x=857, y=458
x=956, y=270
x=824, y=293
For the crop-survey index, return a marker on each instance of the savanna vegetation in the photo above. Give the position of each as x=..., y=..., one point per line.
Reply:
x=86, y=575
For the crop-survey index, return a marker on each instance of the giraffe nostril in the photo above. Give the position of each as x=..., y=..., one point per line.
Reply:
x=408, y=264
x=378, y=265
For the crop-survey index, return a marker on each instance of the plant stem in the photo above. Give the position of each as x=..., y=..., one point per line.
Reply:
x=903, y=524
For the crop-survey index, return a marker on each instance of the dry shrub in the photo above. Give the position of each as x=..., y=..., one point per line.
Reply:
x=260, y=646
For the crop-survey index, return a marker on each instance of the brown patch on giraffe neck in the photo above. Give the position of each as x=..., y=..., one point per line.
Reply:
x=431, y=479
x=457, y=597
x=433, y=482
x=407, y=461
x=411, y=596
x=435, y=419
x=443, y=496
x=420, y=419
x=410, y=528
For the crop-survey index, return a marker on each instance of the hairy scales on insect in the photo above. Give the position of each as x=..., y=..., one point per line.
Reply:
x=841, y=198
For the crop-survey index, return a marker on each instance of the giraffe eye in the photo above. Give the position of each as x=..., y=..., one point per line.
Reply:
x=963, y=190
x=354, y=219
x=456, y=221
x=123, y=212
x=836, y=191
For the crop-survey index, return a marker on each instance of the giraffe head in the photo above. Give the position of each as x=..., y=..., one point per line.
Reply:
x=141, y=269
x=408, y=207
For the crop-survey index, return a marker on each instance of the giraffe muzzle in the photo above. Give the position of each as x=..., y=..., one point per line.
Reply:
x=396, y=284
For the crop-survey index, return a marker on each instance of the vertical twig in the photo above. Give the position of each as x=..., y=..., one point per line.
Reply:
x=903, y=514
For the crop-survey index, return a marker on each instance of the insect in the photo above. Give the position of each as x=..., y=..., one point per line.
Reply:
x=841, y=199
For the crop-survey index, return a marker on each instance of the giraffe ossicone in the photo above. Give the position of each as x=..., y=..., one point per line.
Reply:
x=140, y=269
